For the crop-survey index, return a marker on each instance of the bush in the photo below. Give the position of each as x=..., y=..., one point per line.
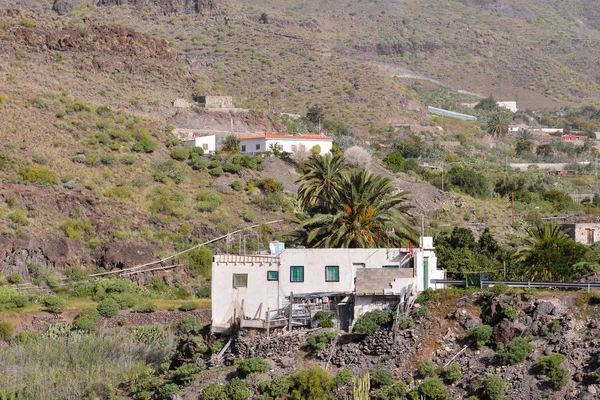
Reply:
x=344, y=377
x=144, y=146
x=13, y=279
x=320, y=340
x=453, y=373
x=499, y=288
x=108, y=308
x=405, y=322
x=237, y=186
x=395, y=391
x=550, y=366
x=87, y=320
x=180, y=153
x=189, y=324
x=324, y=319
x=19, y=217
x=187, y=372
x=236, y=389
x=146, y=308
x=494, y=387
x=517, y=351
x=216, y=172
x=231, y=168
x=40, y=158
x=166, y=391
x=427, y=369
x=54, y=304
x=39, y=175
x=481, y=334
x=431, y=389
x=381, y=377
x=510, y=312
x=312, y=384
x=6, y=330
x=394, y=162
x=213, y=392
x=75, y=273
x=251, y=365
x=279, y=386
x=204, y=292
x=125, y=300
x=357, y=157
x=199, y=261
x=371, y=321
x=188, y=306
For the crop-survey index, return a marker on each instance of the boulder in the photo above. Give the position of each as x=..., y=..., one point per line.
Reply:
x=543, y=308
x=62, y=7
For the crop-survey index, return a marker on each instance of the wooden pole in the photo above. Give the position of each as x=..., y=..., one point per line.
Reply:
x=513, y=208
x=291, y=310
x=268, y=321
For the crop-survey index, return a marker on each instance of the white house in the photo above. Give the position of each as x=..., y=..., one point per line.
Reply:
x=197, y=138
x=255, y=290
x=508, y=105
x=260, y=143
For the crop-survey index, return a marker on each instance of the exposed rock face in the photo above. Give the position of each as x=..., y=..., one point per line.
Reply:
x=62, y=7
x=50, y=252
x=112, y=39
x=169, y=6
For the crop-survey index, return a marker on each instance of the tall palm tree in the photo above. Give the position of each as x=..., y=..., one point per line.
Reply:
x=538, y=237
x=368, y=213
x=320, y=185
x=497, y=125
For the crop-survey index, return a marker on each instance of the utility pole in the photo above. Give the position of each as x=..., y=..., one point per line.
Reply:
x=512, y=195
x=422, y=231
x=442, y=175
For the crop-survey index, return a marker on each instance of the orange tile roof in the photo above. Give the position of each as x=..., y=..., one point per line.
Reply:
x=271, y=135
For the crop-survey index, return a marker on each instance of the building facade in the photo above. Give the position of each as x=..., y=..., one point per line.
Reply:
x=583, y=232
x=260, y=143
x=253, y=290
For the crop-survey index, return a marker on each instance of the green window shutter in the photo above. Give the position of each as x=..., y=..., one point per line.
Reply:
x=272, y=275
x=297, y=274
x=391, y=266
x=332, y=273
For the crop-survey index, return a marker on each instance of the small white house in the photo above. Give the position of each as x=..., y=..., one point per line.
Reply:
x=508, y=105
x=260, y=143
x=254, y=290
x=197, y=138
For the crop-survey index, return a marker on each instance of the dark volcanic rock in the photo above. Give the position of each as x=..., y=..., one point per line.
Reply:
x=62, y=7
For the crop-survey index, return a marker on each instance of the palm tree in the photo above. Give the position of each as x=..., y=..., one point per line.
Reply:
x=320, y=185
x=525, y=142
x=368, y=213
x=530, y=253
x=497, y=125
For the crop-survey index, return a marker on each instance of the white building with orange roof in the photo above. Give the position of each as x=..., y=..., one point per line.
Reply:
x=262, y=142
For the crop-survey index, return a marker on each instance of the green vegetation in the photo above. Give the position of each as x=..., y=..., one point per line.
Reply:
x=319, y=341
x=427, y=369
x=494, y=387
x=371, y=321
x=252, y=365
x=518, y=350
x=481, y=334
x=550, y=366
x=453, y=373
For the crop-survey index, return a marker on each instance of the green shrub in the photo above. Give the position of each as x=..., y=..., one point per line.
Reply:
x=125, y=300
x=39, y=175
x=199, y=261
x=76, y=273
x=187, y=372
x=312, y=384
x=27, y=23
x=180, y=153
x=204, y=292
x=144, y=146
x=77, y=229
x=518, y=350
x=453, y=373
x=87, y=320
x=166, y=391
x=6, y=330
x=499, y=288
x=189, y=324
x=108, y=308
x=319, y=341
x=236, y=389
x=280, y=386
x=146, y=308
x=394, y=162
x=550, y=366
x=54, y=304
x=480, y=334
x=14, y=279
x=431, y=389
x=19, y=217
x=217, y=345
x=510, y=312
x=381, y=377
x=40, y=158
x=198, y=163
x=251, y=365
x=427, y=296
x=394, y=391
x=427, y=369
x=237, y=186
x=108, y=159
x=128, y=159
x=216, y=172
x=494, y=387
x=324, y=319
x=405, y=322
x=344, y=377
x=213, y=392
x=371, y=321
x=188, y=306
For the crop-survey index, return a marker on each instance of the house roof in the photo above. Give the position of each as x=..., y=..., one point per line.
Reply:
x=276, y=136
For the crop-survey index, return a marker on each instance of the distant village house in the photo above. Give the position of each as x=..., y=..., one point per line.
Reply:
x=197, y=138
x=260, y=143
x=583, y=232
x=508, y=105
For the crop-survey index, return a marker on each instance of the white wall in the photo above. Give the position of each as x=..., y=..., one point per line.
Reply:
x=262, y=294
x=208, y=140
x=290, y=145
